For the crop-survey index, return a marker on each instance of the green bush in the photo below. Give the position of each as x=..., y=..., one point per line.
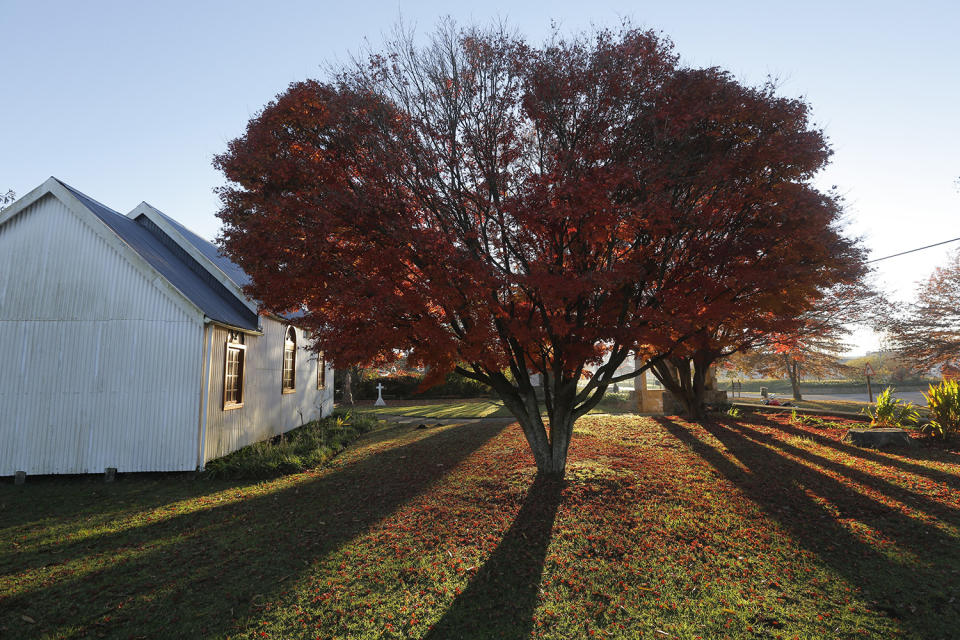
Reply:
x=892, y=412
x=616, y=401
x=295, y=451
x=943, y=401
x=734, y=412
x=816, y=421
x=404, y=386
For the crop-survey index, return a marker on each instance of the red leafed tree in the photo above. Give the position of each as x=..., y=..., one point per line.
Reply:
x=497, y=209
x=770, y=265
x=927, y=331
x=816, y=346
x=790, y=345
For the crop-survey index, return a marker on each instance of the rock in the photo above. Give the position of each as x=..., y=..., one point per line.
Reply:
x=879, y=438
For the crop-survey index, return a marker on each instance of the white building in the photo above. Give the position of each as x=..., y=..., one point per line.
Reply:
x=126, y=342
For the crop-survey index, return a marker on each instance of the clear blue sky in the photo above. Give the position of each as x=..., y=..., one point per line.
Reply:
x=128, y=101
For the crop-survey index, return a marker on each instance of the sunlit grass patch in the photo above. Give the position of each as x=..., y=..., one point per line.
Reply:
x=481, y=408
x=445, y=409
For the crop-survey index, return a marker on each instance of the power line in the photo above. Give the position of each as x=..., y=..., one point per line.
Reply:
x=903, y=253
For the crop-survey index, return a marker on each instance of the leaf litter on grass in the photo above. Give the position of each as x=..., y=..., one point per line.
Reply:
x=752, y=528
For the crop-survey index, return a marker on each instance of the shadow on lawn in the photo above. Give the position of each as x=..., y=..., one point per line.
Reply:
x=923, y=503
x=923, y=452
x=916, y=591
x=203, y=573
x=500, y=600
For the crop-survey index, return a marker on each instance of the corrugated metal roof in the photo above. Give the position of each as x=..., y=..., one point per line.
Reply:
x=212, y=253
x=213, y=299
x=232, y=270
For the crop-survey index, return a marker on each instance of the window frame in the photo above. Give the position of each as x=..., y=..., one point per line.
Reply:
x=321, y=372
x=234, y=342
x=293, y=362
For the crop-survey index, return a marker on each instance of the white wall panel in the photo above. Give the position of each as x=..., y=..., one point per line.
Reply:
x=100, y=363
x=266, y=411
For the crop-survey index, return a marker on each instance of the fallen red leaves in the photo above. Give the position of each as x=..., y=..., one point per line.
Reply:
x=732, y=528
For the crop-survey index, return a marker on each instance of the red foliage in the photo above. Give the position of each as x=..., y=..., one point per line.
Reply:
x=927, y=332
x=488, y=206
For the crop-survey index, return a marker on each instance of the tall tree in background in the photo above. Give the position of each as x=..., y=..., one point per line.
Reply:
x=7, y=199
x=498, y=210
x=794, y=359
x=814, y=349
x=927, y=331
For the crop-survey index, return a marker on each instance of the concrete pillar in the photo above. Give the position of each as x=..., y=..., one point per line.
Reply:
x=639, y=385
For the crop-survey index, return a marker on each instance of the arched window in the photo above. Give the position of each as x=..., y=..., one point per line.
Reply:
x=321, y=371
x=289, y=380
x=233, y=371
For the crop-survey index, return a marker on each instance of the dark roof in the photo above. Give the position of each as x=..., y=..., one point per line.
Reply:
x=182, y=271
x=211, y=252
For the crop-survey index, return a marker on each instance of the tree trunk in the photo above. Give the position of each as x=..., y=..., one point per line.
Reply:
x=680, y=379
x=549, y=441
x=692, y=401
x=549, y=452
x=347, y=387
x=686, y=379
x=701, y=366
x=794, y=372
x=561, y=431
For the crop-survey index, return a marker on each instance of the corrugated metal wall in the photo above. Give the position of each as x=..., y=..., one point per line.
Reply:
x=100, y=365
x=266, y=411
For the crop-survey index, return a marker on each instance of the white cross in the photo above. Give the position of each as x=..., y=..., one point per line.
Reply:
x=379, y=402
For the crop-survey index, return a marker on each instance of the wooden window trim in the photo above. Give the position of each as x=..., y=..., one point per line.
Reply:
x=284, y=389
x=227, y=405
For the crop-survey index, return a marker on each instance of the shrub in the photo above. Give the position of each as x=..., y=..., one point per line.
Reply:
x=808, y=420
x=616, y=401
x=892, y=412
x=295, y=451
x=733, y=412
x=943, y=401
x=404, y=386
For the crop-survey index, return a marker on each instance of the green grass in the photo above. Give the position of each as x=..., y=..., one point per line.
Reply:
x=837, y=406
x=298, y=450
x=454, y=409
x=783, y=387
x=842, y=406
x=480, y=408
x=736, y=528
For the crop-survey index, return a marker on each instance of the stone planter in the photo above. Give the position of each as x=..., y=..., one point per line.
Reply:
x=879, y=438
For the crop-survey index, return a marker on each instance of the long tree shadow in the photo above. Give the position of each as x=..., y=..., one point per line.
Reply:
x=920, y=502
x=204, y=573
x=500, y=600
x=922, y=453
x=917, y=592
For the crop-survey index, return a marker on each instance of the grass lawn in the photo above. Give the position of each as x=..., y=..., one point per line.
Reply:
x=839, y=406
x=783, y=387
x=842, y=406
x=747, y=528
x=478, y=408
x=455, y=409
